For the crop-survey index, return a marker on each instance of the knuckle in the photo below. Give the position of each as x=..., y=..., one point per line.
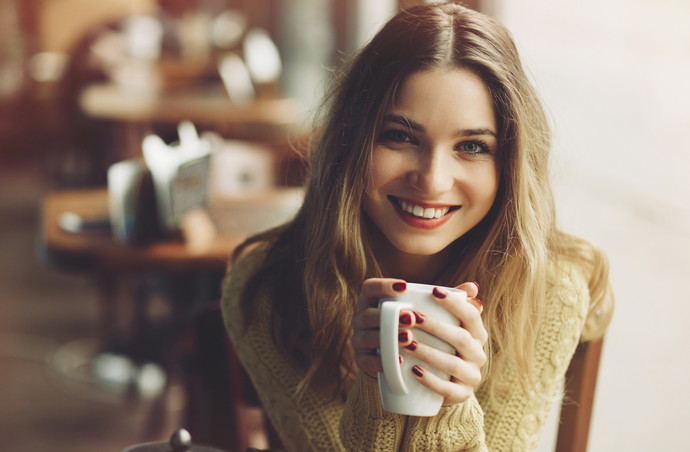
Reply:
x=482, y=358
x=475, y=378
x=459, y=394
x=457, y=368
x=465, y=339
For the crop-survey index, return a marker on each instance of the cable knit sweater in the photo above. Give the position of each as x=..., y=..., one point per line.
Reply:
x=318, y=422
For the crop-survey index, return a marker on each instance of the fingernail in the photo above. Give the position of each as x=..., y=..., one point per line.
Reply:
x=440, y=293
x=412, y=346
x=477, y=303
x=418, y=371
x=406, y=318
x=476, y=284
x=418, y=317
x=403, y=336
x=399, y=286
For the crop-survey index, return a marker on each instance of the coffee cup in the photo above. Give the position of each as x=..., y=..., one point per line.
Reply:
x=400, y=392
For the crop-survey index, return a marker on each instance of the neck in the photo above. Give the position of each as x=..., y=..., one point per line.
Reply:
x=424, y=269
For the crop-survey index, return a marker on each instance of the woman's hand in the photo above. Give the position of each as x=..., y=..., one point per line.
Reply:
x=365, y=323
x=468, y=339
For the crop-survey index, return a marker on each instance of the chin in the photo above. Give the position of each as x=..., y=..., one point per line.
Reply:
x=419, y=248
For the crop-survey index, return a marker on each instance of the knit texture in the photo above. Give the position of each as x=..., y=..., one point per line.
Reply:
x=318, y=422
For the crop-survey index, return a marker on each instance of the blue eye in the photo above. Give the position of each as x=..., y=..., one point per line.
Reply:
x=474, y=147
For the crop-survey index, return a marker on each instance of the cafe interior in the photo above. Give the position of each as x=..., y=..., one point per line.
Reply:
x=142, y=140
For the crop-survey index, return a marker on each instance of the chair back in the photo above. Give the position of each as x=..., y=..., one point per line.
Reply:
x=576, y=408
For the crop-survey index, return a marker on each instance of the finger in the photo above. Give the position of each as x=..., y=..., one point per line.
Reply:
x=407, y=318
x=367, y=319
x=452, y=392
x=464, y=370
x=477, y=303
x=472, y=288
x=468, y=315
x=363, y=340
x=461, y=339
x=405, y=338
x=369, y=363
x=375, y=288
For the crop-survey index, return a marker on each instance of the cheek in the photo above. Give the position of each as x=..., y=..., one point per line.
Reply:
x=484, y=185
x=385, y=170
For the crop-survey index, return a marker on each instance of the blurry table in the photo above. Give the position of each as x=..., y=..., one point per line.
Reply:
x=234, y=219
x=204, y=104
x=98, y=252
x=98, y=256
x=274, y=122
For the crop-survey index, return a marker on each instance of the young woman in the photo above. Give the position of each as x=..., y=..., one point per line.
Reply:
x=431, y=166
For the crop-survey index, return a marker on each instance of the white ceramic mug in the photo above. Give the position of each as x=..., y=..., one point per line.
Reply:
x=400, y=391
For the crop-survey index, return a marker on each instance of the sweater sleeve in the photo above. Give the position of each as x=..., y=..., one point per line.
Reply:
x=514, y=418
x=367, y=426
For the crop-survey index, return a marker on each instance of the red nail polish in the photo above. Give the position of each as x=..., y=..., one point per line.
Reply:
x=412, y=346
x=476, y=284
x=477, y=303
x=406, y=318
x=418, y=371
x=418, y=317
x=400, y=359
x=440, y=293
x=399, y=286
x=404, y=336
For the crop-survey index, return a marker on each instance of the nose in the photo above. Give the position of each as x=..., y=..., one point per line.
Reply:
x=433, y=173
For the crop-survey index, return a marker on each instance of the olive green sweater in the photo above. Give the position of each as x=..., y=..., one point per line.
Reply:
x=318, y=422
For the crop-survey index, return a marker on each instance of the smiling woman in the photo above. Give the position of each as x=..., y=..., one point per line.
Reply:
x=431, y=167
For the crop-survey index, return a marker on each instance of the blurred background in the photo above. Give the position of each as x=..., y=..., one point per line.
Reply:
x=107, y=328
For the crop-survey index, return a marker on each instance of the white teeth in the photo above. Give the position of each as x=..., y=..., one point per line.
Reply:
x=419, y=211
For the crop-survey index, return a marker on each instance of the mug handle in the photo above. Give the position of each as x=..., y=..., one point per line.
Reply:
x=390, y=315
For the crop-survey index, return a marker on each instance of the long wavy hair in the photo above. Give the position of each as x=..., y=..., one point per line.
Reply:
x=315, y=264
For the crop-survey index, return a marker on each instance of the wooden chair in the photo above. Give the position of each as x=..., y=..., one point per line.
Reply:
x=576, y=408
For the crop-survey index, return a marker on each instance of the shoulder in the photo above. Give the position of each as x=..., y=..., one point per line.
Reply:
x=567, y=291
x=567, y=276
x=246, y=265
x=234, y=283
x=581, y=283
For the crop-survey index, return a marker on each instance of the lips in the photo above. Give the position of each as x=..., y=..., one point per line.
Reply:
x=423, y=215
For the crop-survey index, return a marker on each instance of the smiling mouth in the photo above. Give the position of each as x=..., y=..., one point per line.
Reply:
x=426, y=212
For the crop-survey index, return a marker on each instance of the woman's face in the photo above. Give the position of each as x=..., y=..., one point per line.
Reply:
x=434, y=172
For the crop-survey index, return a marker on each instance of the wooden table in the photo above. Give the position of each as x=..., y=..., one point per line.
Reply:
x=99, y=252
x=195, y=332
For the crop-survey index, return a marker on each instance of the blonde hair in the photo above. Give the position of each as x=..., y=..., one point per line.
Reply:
x=315, y=265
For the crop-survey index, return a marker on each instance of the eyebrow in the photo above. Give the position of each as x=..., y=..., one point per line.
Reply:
x=406, y=122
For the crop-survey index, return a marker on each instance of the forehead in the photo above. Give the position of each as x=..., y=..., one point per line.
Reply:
x=447, y=95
